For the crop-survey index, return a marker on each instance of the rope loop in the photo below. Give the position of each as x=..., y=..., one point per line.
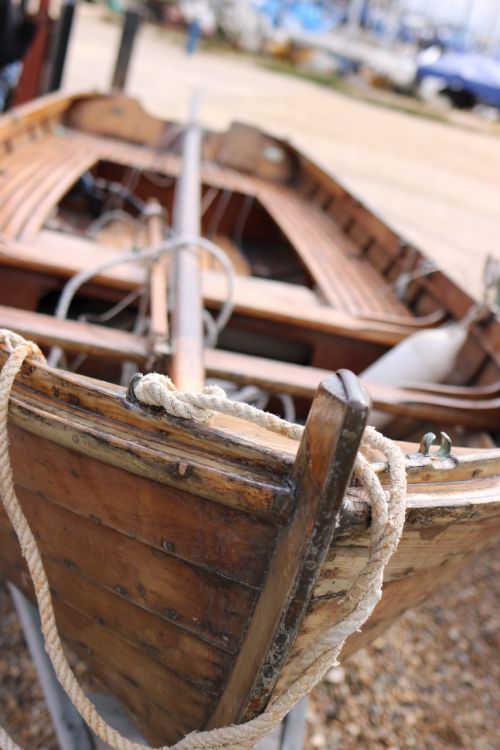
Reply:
x=311, y=665
x=155, y=389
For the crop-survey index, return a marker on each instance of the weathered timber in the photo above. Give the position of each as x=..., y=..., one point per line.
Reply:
x=321, y=472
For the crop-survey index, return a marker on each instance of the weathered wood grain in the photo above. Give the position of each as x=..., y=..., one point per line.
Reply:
x=180, y=523
x=321, y=472
x=445, y=524
x=118, y=563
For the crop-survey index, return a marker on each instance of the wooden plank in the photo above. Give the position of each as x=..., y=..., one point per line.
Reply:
x=344, y=276
x=232, y=543
x=321, y=473
x=292, y=305
x=29, y=222
x=36, y=180
x=22, y=171
x=436, y=403
x=301, y=381
x=377, y=228
x=245, y=470
x=117, y=116
x=49, y=108
x=439, y=525
x=206, y=605
x=75, y=336
x=443, y=528
x=158, y=722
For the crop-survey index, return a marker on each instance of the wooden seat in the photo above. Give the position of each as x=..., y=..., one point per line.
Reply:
x=346, y=279
x=451, y=405
x=166, y=163
x=293, y=306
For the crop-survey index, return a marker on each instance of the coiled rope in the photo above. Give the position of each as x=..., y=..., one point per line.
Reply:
x=388, y=513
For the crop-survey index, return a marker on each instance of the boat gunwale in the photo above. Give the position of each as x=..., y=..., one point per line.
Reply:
x=256, y=452
x=216, y=461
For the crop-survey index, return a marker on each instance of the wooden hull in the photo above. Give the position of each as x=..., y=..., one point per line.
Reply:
x=166, y=558
x=190, y=564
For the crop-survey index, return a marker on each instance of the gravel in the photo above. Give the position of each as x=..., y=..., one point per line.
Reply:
x=430, y=683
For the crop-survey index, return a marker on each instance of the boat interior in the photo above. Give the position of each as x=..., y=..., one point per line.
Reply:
x=320, y=282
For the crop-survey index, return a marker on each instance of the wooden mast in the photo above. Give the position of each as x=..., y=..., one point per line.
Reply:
x=186, y=368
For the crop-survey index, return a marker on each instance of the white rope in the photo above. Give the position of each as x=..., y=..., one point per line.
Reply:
x=388, y=513
x=150, y=254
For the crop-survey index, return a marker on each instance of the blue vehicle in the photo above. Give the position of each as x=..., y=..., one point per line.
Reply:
x=468, y=78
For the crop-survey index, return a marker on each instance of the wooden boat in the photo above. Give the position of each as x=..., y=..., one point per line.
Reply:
x=192, y=563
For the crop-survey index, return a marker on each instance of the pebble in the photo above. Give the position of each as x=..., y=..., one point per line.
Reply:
x=430, y=682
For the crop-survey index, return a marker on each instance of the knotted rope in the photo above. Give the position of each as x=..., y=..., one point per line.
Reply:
x=311, y=665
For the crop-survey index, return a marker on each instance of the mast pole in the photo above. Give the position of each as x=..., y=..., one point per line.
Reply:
x=186, y=367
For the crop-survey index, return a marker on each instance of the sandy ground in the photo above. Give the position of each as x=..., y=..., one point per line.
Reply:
x=438, y=184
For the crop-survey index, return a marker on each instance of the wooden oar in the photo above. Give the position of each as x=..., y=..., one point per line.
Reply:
x=158, y=284
x=186, y=366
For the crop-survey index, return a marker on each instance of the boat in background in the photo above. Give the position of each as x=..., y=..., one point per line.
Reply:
x=191, y=564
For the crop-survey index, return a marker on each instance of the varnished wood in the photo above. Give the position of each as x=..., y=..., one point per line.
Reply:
x=299, y=308
x=192, y=562
x=118, y=116
x=478, y=407
x=76, y=336
x=321, y=473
